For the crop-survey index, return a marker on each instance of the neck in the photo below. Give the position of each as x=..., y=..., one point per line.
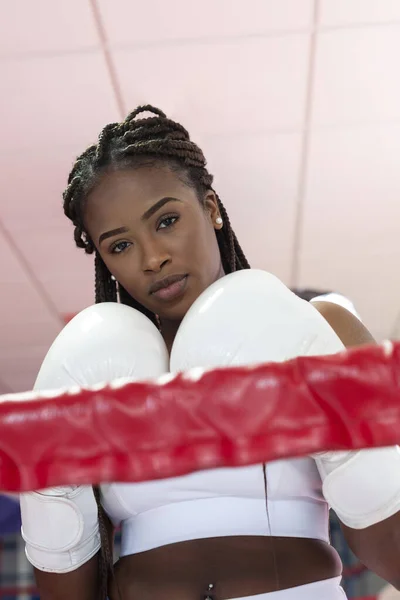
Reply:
x=169, y=330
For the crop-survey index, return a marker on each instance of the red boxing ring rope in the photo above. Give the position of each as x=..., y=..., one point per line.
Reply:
x=225, y=417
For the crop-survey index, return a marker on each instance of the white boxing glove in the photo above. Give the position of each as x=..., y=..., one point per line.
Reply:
x=249, y=317
x=102, y=343
x=362, y=486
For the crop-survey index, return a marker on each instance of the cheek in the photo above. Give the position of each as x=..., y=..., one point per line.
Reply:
x=124, y=269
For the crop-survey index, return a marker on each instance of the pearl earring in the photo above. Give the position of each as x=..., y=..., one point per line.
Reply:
x=218, y=221
x=113, y=278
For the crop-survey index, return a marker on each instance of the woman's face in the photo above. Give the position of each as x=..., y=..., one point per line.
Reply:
x=151, y=230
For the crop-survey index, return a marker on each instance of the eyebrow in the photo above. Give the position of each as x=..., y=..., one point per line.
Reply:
x=159, y=204
x=111, y=233
x=145, y=217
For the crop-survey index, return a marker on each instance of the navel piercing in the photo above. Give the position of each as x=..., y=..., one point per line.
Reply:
x=209, y=595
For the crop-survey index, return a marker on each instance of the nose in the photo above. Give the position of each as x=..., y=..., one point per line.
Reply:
x=154, y=258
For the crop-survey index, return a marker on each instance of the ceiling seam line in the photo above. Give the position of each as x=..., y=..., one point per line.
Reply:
x=26, y=267
x=101, y=30
x=304, y=152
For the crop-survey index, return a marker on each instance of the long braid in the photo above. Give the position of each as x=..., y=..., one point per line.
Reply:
x=105, y=287
x=241, y=260
x=155, y=140
x=106, y=571
x=226, y=240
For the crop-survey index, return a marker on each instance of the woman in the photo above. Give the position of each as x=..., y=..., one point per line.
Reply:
x=142, y=200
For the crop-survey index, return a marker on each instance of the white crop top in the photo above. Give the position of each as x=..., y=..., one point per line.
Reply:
x=219, y=503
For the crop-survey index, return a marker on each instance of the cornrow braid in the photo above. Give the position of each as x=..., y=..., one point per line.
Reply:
x=135, y=142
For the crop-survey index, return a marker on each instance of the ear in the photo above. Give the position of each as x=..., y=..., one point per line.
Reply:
x=212, y=210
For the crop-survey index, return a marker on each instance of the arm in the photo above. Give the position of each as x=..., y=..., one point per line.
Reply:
x=87, y=582
x=349, y=329
x=61, y=526
x=81, y=584
x=377, y=546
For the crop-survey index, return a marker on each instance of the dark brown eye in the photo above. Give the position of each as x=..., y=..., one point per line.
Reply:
x=120, y=247
x=167, y=221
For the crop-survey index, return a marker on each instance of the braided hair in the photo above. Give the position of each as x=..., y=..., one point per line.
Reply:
x=133, y=143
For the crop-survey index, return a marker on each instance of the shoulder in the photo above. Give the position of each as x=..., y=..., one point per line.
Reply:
x=348, y=327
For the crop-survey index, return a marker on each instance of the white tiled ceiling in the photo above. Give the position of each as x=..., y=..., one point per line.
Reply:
x=56, y=100
x=46, y=27
x=351, y=219
x=356, y=78
x=157, y=21
x=295, y=102
x=265, y=197
x=33, y=200
x=359, y=12
x=261, y=78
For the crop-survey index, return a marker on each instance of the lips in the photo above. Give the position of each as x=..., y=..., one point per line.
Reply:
x=170, y=287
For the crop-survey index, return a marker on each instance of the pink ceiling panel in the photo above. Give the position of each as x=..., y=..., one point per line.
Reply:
x=4, y=388
x=29, y=331
x=24, y=353
x=22, y=303
x=72, y=293
x=55, y=101
x=46, y=26
x=19, y=384
x=156, y=21
x=27, y=319
x=368, y=280
x=351, y=239
x=11, y=269
x=343, y=12
x=20, y=299
x=236, y=87
x=11, y=358
x=23, y=380
x=51, y=251
x=31, y=186
x=64, y=271
x=356, y=77
x=256, y=178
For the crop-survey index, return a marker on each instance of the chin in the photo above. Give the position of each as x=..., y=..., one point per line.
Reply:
x=176, y=311
x=173, y=314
